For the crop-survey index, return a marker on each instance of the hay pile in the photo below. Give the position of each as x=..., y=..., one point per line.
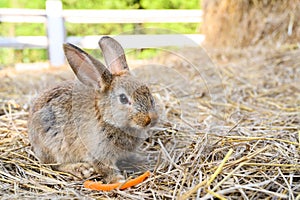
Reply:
x=250, y=22
x=232, y=136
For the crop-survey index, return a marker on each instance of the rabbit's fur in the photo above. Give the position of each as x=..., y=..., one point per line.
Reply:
x=86, y=125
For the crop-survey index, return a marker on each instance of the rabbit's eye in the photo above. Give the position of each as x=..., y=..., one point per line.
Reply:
x=123, y=99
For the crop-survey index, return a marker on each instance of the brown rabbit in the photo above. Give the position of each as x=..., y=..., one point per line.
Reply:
x=85, y=126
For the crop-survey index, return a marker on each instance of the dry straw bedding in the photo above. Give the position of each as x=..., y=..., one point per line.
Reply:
x=236, y=138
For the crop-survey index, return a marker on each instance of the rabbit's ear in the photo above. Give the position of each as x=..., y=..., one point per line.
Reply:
x=114, y=55
x=88, y=70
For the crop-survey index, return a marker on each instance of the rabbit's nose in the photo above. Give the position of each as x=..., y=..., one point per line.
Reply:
x=147, y=120
x=144, y=119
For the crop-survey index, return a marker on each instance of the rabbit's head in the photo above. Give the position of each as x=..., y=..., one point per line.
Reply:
x=122, y=100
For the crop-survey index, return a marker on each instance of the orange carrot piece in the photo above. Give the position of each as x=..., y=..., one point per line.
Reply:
x=100, y=186
x=108, y=187
x=135, y=181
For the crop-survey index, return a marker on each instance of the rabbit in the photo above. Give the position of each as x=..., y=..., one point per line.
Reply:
x=86, y=125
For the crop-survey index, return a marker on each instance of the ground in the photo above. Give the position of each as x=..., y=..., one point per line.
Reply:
x=229, y=128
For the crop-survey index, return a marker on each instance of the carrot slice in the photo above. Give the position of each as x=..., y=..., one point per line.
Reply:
x=108, y=187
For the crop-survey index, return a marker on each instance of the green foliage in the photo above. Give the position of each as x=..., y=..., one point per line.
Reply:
x=142, y=53
x=170, y=4
x=33, y=4
x=8, y=56
x=102, y=4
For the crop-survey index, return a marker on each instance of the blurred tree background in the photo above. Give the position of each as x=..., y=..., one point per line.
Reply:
x=11, y=56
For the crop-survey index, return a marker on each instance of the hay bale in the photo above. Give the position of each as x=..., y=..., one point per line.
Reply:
x=250, y=22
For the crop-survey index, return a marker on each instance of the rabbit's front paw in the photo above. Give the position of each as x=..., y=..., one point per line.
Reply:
x=114, y=178
x=80, y=170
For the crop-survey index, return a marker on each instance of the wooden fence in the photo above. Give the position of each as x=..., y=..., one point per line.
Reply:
x=55, y=17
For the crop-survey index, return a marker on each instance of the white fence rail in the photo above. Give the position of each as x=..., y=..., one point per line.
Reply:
x=55, y=17
x=103, y=16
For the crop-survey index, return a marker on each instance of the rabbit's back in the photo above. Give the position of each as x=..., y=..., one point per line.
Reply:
x=52, y=105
